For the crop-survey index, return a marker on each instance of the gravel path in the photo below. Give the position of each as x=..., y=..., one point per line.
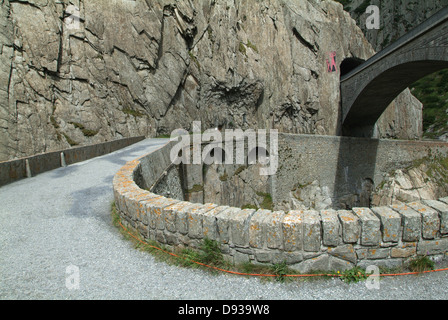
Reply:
x=62, y=218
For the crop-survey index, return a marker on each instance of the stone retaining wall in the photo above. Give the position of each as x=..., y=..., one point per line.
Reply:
x=13, y=170
x=307, y=240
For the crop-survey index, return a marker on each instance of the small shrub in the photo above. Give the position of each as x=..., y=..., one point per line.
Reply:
x=280, y=269
x=267, y=201
x=421, y=264
x=211, y=253
x=355, y=274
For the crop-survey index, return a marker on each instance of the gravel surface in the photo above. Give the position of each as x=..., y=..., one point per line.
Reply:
x=61, y=218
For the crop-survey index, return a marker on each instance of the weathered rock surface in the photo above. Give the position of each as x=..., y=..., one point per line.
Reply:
x=78, y=72
x=425, y=180
x=396, y=17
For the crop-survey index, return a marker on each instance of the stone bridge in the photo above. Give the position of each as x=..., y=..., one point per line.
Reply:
x=368, y=89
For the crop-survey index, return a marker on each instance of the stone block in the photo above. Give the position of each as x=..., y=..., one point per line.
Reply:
x=292, y=257
x=370, y=227
x=130, y=205
x=372, y=253
x=257, y=229
x=153, y=208
x=239, y=227
x=209, y=225
x=195, y=217
x=404, y=250
x=171, y=238
x=390, y=223
x=182, y=217
x=292, y=228
x=142, y=207
x=321, y=263
x=387, y=263
x=336, y=264
x=345, y=252
x=442, y=209
x=430, y=247
x=430, y=219
x=274, y=236
x=223, y=220
x=311, y=231
x=170, y=213
x=263, y=256
x=411, y=222
x=330, y=228
x=240, y=258
x=350, y=226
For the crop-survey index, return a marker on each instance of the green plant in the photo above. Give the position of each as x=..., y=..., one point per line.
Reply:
x=281, y=270
x=421, y=264
x=355, y=274
x=211, y=253
x=267, y=201
x=252, y=46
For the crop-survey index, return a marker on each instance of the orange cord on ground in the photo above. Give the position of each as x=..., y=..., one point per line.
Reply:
x=271, y=275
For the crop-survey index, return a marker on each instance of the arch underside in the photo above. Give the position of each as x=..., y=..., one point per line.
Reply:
x=378, y=94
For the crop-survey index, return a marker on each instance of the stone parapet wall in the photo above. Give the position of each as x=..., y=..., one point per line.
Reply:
x=306, y=239
x=14, y=170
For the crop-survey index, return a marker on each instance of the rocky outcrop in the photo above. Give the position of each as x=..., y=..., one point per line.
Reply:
x=424, y=180
x=79, y=72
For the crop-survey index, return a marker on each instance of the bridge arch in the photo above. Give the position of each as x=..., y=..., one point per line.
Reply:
x=368, y=90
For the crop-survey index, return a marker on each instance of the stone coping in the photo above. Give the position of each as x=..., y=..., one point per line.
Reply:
x=306, y=239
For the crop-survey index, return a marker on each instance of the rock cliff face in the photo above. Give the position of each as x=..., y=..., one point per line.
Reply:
x=396, y=17
x=80, y=72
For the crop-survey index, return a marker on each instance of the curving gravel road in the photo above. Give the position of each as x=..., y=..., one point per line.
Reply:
x=61, y=218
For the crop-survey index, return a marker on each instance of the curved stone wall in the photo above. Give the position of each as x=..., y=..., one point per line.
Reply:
x=307, y=240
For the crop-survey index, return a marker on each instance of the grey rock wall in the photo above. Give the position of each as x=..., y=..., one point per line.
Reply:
x=115, y=69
